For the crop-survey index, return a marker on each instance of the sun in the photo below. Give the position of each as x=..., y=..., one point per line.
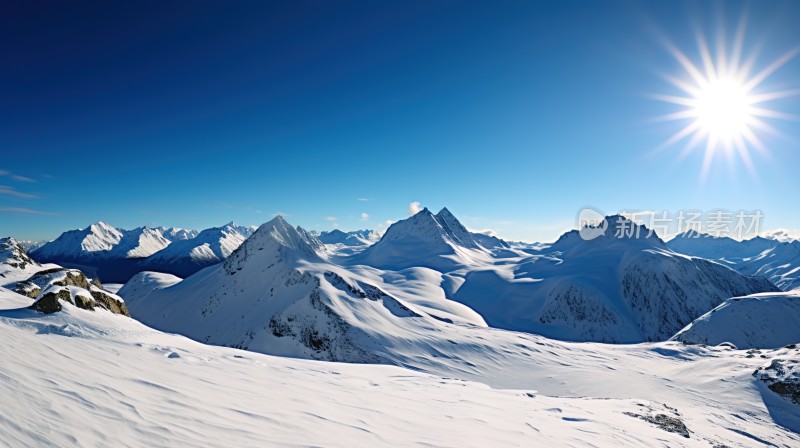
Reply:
x=723, y=109
x=724, y=101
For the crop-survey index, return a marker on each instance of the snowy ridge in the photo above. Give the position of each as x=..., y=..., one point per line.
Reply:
x=185, y=257
x=13, y=255
x=352, y=238
x=97, y=240
x=117, y=254
x=769, y=320
x=776, y=259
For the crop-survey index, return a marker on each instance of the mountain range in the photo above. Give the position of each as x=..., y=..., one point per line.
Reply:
x=776, y=259
x=115, y=254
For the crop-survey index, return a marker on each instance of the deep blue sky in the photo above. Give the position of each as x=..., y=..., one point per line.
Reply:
x=513, y=114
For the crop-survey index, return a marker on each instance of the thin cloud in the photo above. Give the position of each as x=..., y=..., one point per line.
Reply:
x=363, y=199
x=16, y=177
x=25, y=211
x=11, y=191
x=365, y=216
x=413, y=208
x=22, y=178
x=330, y=218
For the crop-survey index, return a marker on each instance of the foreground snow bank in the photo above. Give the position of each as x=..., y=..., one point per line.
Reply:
x=78, y=378
x=768, y=320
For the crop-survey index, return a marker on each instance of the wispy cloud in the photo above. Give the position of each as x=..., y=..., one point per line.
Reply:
x=330, y=218
x=363, y=199
x=16, y=177
x=414, y=208
x=22, y=178
x=365, y=216
x=11, y=191
x=25, y=211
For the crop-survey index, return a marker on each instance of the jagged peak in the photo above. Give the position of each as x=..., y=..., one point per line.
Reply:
x=445, y=212
x=276, y=235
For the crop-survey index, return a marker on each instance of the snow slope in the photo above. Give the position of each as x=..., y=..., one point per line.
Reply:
x=119, y=382
x=767, y=320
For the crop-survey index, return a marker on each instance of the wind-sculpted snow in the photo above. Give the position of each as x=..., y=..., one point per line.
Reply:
x=769, y=320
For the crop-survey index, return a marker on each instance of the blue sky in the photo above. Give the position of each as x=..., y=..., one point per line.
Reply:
x=513, y=115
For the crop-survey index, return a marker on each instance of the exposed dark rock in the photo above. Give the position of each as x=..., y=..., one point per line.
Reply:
x=84, y=302
x=50, y=302
x=782, y=376
x=108, y=302
x=665, y=422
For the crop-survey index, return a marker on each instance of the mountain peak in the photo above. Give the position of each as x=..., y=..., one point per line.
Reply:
x=273, y=239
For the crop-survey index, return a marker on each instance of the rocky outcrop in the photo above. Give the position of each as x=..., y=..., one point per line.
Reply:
x=50, y=287
x=51, y=301
x=782, y=376
x=14, y=255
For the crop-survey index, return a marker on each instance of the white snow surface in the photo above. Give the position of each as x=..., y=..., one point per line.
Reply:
x=81, y=378
x=767, y=320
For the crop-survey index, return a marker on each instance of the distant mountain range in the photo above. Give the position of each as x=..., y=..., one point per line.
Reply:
x=114, y=254
x=776, y=259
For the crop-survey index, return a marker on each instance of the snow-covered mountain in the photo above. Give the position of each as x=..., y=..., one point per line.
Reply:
x=115, y=254
x=97, y=240
x=704, y=245
x=185, y=257
x=758, y=321
x=611, y=289
x=352, y=238
x=776, y=259
x=177, y=234
x=276, y=294
x=438, y=241
x=102, y=250
x=782, y=235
